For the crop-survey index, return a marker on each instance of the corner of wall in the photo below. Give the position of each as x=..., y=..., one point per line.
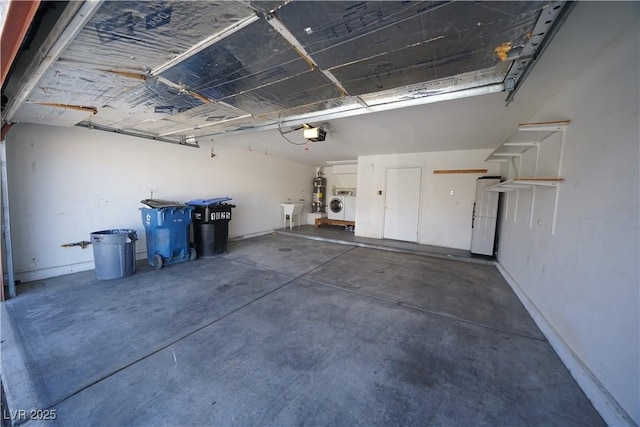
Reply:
x=608, y=408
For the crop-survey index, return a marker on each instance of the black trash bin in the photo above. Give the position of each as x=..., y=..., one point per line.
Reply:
x=211, y=225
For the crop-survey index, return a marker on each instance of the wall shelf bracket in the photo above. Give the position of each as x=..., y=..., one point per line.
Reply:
x=526, y=137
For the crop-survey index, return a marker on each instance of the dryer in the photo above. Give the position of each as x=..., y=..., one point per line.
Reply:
x=349, y=208
x=336, y=208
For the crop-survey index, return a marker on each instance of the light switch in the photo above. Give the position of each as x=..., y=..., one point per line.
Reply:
x=379, y=192
x=451, y=192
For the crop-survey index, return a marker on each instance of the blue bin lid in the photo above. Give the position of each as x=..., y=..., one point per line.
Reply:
x=160, y=203
x=208, y=202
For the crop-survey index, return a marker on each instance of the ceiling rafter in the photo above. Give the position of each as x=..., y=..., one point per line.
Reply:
x=184, y=69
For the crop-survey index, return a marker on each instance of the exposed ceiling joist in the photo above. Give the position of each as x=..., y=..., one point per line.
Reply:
x=174, y=70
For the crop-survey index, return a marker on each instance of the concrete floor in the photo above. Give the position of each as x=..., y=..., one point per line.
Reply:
x=339, y=234
x=285, y=330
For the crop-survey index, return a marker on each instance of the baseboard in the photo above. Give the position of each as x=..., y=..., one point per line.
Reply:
x=45, y=273
x=61, y=270
x=250, y=235
x=608, y=408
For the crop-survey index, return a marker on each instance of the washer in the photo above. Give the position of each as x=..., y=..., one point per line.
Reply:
x=336, y=208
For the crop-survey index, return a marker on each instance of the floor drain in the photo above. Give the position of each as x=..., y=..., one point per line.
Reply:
x=285, y=249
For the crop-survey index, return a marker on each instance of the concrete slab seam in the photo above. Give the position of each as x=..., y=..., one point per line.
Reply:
x=122, y=368
x=424, y=310
x=104, y=377
x=391, y=249
x=239, y=261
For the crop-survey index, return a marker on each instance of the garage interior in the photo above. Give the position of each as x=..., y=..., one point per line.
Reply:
x=393, y=322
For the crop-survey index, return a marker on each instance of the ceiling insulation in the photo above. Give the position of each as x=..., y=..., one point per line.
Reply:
x=172, y=70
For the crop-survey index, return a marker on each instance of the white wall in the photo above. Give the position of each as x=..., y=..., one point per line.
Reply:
x=337, y=178
x=444, y=220
x=65, y=183
x=582, y=284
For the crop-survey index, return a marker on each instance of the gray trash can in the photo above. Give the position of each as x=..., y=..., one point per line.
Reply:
x=114, y=253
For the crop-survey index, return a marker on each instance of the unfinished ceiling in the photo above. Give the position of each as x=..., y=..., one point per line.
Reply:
x=177, y=71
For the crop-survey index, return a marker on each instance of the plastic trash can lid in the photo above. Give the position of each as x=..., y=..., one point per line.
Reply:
x=208, y=202
x=115, y=231
x=114, y=236
x=159, y=203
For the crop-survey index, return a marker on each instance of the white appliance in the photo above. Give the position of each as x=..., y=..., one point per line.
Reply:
x=485, y=217
x=336, y=208
x=349, y=208
x=342, y=205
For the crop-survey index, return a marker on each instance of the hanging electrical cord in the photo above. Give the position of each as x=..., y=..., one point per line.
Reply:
x=287, y=139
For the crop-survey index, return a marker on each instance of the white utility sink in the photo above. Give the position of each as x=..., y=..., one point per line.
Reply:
x=289, y=211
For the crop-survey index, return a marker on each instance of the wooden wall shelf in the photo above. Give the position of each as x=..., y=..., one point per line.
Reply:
x=456, y=171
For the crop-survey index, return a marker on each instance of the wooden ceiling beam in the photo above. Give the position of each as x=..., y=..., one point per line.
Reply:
x=19, y=17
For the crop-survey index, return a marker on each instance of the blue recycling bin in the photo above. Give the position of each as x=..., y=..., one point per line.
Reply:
x=167, y=232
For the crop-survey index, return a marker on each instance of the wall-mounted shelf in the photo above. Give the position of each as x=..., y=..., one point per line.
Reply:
x=525, y=184
x=527, y=136
x=456, y=171
x=512, y=150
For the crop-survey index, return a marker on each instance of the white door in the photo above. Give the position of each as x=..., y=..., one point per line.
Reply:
x=402, y=204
